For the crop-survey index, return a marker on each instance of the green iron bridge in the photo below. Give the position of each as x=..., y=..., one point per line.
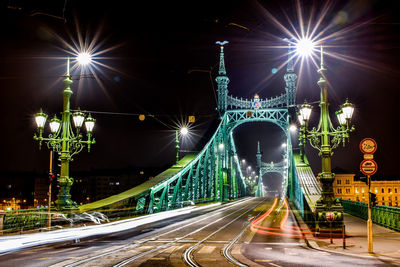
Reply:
x=214, y=174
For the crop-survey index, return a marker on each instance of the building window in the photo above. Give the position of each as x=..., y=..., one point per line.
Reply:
x=339, y=190
x=339, y=181
x=383, y=198
x=347, y=190
x=383, y=190
x=395, y=198
x=362, y=190
x=395, y=190
x=356, y=190
x=376, y=190
x=347, y=181
x=389, y=190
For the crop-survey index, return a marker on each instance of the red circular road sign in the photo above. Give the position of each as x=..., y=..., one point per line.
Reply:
x=368, y=146
x=368, y=167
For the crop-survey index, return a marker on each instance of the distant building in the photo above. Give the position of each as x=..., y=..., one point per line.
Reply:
x=346, y=186
x=16, y=190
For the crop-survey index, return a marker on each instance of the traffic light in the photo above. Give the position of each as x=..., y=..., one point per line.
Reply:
x=372, y=198
x=51, y=176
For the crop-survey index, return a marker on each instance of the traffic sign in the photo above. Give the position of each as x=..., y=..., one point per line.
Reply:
x=368, y=167
x=368, y=146
x=368, y=156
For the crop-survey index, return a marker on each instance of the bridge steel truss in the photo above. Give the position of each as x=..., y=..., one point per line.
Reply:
x=214, y=174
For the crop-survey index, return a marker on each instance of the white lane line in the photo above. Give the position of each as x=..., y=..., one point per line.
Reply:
x=123, y=263
x=194, y=220
x=206, y=250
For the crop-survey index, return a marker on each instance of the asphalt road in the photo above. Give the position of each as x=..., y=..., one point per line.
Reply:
x=254, y=232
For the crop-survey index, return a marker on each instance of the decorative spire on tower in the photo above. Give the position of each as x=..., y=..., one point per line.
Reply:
x=222, y=81
x=258, y=155
x=290, y=78
x=260, y=190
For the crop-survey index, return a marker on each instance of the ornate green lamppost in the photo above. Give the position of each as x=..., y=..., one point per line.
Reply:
x=64, y=140
x=325, y=138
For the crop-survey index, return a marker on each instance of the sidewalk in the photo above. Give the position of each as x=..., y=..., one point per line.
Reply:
x=386, y=242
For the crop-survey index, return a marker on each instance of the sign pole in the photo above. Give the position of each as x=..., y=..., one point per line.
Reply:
x=369, y=222
x=49, y=205
x=369, y=167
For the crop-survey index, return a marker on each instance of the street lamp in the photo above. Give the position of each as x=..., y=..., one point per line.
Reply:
x=183, y=131
x=325, y=138
x=63, y=139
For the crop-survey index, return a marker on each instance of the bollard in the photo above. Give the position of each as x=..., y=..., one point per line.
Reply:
x=344, y=236
x=2, y=214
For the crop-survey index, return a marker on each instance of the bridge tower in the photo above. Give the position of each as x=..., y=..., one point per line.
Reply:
x=222, y=81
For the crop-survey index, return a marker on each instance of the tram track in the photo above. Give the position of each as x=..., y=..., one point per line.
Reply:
x=226, y=252
x=129, y=260
x=187, y=255
x=142, y=242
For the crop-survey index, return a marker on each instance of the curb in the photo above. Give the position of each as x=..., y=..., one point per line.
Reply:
x=313, y=245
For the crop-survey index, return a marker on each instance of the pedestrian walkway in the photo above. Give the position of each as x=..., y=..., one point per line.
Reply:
x=386, y=242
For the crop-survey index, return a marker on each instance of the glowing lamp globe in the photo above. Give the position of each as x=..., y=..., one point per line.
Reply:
x=348, y=109
x=54, y=124
x=40, y=119
x=84, y=58
x=221, y=146
x=89, y=124
x=184, y=131
x=293, y=128
x=341, y=117
x=301, y=120
x=305, y=111
x=304, y=47
x=78, y=118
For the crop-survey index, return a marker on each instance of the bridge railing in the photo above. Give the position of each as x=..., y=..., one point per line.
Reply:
x=386, y=216
x=26, y=219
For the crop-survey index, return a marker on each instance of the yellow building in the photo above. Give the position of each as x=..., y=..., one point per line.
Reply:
x=387, y=192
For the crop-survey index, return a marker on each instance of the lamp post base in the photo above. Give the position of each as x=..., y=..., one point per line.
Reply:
x=64, y=201
x=322, y=225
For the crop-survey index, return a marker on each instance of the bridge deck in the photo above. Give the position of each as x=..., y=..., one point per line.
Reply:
x=140, y=189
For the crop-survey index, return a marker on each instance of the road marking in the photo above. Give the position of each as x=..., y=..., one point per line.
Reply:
x=290, y=251
x=157, y=259
x=273, y=264
x=206, y=250
x=258, y=260
x=267, y=248
x=324, y=253
x=172, y=249
x=144, y=247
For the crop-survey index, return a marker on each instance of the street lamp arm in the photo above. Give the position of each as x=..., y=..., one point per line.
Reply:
x=337, y=136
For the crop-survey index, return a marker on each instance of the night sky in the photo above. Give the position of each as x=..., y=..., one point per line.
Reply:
x=162, y=59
